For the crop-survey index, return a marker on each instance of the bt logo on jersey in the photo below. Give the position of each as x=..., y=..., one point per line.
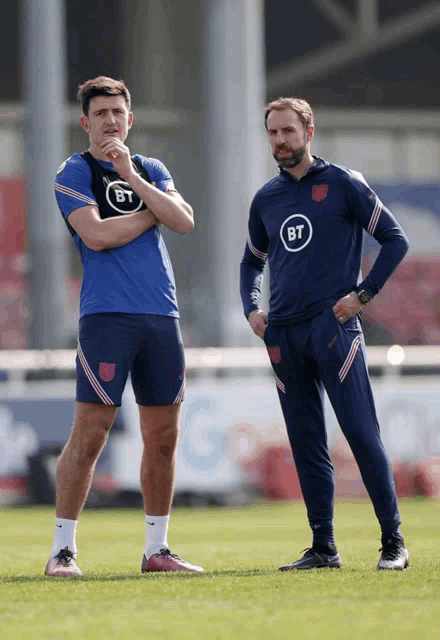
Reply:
x=122, y=198
x=122, y=195
x=296, y=232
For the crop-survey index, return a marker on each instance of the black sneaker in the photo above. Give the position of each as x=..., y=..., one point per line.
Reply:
x=314, y=560
x=394, y=555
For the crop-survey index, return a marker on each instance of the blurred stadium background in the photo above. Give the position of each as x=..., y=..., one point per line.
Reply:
x=200, y=72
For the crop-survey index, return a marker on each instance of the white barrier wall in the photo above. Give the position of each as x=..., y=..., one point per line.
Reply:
x=227, y=420
x=227, y=423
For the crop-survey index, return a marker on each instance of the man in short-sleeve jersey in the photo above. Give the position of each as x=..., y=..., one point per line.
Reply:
x=307, y=223
x=113, y=204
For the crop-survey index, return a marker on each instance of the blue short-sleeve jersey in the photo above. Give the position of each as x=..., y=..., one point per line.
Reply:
x=310, y=233
x=135, y=278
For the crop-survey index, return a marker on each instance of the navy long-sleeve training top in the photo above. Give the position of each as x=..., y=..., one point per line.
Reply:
x=310, y=233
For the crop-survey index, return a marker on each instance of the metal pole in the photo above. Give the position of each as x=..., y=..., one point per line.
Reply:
x=367, y=19
x=45, y=149
x=234, y=86
x=148, y=53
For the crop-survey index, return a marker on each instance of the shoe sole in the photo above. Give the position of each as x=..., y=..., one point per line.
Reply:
x=74, y=572
x=317, y=566
x=63, y=574
x=405, y=566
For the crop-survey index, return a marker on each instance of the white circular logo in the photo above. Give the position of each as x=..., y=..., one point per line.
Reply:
x=121, y=197
x=296, y=232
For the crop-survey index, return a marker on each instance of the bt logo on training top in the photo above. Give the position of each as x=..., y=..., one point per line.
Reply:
x=296, y=232
x=122, y=198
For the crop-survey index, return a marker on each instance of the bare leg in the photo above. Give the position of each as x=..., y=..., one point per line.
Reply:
x=159, y=428
x=77, y=462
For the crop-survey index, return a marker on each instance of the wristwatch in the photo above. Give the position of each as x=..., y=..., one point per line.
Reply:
x=364, y=296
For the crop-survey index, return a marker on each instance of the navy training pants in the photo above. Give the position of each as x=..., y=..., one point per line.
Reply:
x=321, y=353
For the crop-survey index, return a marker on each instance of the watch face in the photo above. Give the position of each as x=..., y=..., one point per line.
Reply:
x=364, y=296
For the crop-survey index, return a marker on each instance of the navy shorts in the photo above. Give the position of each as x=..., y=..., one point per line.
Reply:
x=113, y=345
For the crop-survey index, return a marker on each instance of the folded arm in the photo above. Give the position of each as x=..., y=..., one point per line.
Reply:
x=109, y=233
x=169, y=208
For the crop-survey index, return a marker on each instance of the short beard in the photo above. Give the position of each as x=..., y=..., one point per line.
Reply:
x=288, y=163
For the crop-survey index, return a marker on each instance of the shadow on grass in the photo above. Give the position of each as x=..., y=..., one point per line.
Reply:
x=121, y=577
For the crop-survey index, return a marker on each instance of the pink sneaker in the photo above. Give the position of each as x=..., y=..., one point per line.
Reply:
x=63, y=565
x=167, y=561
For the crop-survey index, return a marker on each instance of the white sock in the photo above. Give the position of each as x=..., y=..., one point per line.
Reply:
x=156, y=532
x=65, y=536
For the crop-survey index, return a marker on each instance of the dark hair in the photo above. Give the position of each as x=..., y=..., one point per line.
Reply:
x=300, y=106
x=101, y=86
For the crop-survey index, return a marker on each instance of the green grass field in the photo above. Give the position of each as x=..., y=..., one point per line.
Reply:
x=241, y=594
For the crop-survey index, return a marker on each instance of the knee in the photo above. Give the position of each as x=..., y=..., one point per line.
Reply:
x=163, y=439
x=94, y=446
x=87, y=447
x=166, y=439
x=162, y=430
